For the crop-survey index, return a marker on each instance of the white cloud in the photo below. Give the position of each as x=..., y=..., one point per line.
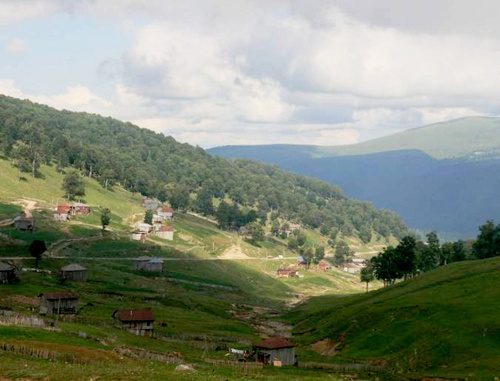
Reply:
x=16, y=46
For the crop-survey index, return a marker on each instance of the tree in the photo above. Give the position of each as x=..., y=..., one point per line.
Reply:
x=405, y=257
x=342, y=253
x=223, y=215
x=148, y=217
x=204, y=201
x=36, y=249
x=487, y=244
x=73, y=185
x=307, y=253
x=275, y=228
x=366, y=274
x=256, y=232
x=430, y=254
x=319, y=253
x=105, y=218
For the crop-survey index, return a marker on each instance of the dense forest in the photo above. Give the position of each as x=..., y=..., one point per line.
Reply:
x=141, y=160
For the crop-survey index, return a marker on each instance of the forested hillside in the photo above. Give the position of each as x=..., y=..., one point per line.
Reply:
x=154, y=165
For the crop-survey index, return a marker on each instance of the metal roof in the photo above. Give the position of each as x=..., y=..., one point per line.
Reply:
x=59, y=295
x=134, y=314
x=5, y=267
x=73, y=267
x=275, y=343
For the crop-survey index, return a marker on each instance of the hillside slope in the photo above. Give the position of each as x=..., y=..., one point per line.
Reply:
x=142, y=161
x=444, y=323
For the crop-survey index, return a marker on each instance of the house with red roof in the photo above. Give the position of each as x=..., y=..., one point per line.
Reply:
x=139, y=321
x=165, y=232
x=277, y=351
x=165, y=212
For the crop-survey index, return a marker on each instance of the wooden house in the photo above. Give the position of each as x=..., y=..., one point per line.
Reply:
x=351, y=268
x=278, y=351
x=137, y=321
x=138, y=236
x=58, y=303
x=165, y=232
x=286, y=273
x=154, y=265
x=166, y=213
x=141, y=262
x=80, y=208
x=143, y=227
x=24, y=223
x=7, y=273
x=61, y=217
x=157, y=219
x=74, y=272
x=324, y=266
x=64, y=208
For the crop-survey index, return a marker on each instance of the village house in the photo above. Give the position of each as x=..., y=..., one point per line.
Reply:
x=358, y=261
x=291, y=229
x=149, y=264
x=80, y=208
x=277, y=351
x=351, y=268
x=324, y=266
x=166, y=213
x=286, y=273
x=61, y=217
x=7, y=273
x=137, y=321
x=58, y=303
x=301, y=261
x=157, y=219
x=74, y=272
x=165, y=232
x=24, y=223
x=143, y=227
x=138, y=236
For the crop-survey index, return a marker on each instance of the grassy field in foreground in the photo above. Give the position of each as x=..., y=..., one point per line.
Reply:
x=445, y=323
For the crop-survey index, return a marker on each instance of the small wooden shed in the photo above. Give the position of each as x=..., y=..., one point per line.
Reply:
x=274, y=351
x=138, y=321
x=7, y=273
x=138, y=236
x=58, y=303
x=80, y=208
x=74, y=272
x=286, y=273
x=141, y=262
x=24, y=223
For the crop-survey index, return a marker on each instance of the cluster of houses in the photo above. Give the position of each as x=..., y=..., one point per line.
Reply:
x=354, y=266
x=293, y=271
x=64, y=212
x=161, y=215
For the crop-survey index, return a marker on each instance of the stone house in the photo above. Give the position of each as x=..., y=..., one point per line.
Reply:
x=138, y=236
x=61, y=217
x=149, y=264
x=74, y=272
x=80, y=208
x=58, y=303
x=143, y=227
x=165, y=232
x=135, y=320
x=277, y=351
x=166, y=213
x=7, y=273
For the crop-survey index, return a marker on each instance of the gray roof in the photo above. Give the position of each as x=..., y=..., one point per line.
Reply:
x=73, y=267
x=143, y=258
x=156, y=260
x=5, y=267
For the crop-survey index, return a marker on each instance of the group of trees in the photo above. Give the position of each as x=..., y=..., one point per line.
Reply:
x=141, y=160
x=411, y=256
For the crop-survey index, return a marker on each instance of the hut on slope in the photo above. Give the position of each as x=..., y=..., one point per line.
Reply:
x=58, y=303
x=74, y=272
x=278, y=351
x=138, y=321
x=7, y=273
x=24, y=223
x=165, y=232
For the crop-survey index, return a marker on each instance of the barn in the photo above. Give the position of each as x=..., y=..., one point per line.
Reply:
x=58, y=303
x=24, y=223
x=277, y=351
x=74, y=272
x=138, y=321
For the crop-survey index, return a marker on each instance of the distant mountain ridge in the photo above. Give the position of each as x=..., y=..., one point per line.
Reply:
x=443, y=177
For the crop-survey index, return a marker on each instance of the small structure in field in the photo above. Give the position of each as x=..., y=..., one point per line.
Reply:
x=143, y=227
x=154, y=265
x=138, y=321
x=166, y=213
x=58, y=303
x=291, y=229
x=165, y=232
x=351, y=268
x=301, y=261
x=324, y=266
x=24, y=223
x=358, y=261
x=61, y=217
x=141, y=261
x=286, y=273
x=7, y=273
x=274, y=351
x=138, y=236
x=157, y=219
x=80, y=208
x=74, y=272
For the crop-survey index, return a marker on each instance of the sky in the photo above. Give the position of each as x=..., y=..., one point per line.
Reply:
x=212, y=73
